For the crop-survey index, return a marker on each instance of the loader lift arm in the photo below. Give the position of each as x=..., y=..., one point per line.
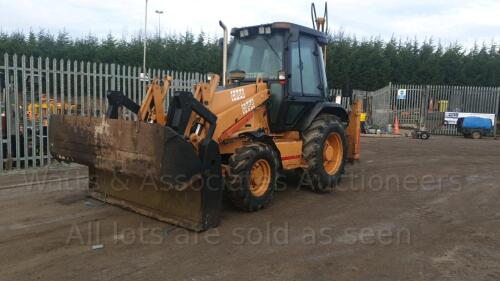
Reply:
x=116, y=99
x=151, y=110
x=180, y=112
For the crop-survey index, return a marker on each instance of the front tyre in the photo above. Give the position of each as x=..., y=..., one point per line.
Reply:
x=252, y=176
x=325, y=151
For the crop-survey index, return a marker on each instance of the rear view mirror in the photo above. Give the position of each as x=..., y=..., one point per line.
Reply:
x=347, y=91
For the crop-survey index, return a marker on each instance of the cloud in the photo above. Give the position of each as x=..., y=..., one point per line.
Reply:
x=449, y=20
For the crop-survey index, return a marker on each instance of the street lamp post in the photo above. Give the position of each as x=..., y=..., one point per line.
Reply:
x=145, y=39
x=159, y=16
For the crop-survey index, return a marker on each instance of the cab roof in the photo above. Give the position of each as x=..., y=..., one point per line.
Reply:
x=291, y=27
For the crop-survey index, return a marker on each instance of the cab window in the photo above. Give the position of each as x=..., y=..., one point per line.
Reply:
x=311, y=80
x=305, y=67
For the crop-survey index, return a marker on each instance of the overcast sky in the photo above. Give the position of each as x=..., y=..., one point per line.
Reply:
x=464, y=21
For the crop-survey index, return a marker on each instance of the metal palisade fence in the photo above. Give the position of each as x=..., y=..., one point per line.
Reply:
x=336, y=96
x=427, y=105
x=34, y=88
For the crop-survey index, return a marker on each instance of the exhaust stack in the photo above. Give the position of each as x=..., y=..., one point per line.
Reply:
x=224, y=53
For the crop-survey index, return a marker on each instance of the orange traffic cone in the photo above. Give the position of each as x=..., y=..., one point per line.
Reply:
x=395, y=131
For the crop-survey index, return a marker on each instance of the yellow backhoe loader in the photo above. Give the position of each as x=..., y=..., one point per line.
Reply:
x=269, y=113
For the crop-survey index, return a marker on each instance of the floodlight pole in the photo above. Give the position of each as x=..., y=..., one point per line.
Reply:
x=159, y=23
x=145, y=38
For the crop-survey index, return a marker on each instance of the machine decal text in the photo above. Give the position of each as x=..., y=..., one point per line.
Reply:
x=237, y=94
x=248, y=106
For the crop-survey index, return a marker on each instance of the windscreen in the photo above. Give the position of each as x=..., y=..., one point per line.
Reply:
x=257, y=55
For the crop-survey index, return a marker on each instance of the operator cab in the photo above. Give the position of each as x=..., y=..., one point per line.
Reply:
x=290, y=58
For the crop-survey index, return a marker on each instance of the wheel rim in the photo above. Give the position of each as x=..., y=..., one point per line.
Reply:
x=260, y=177
x=333, y=151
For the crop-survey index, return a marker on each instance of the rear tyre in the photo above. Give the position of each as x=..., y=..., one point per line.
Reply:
x=325, y=151
x=252, y=176
x=476, y=135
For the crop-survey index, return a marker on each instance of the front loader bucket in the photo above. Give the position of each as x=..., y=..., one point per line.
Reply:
x=147, y=168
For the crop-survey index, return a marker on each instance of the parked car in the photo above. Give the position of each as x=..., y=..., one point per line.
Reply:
x=474, y=127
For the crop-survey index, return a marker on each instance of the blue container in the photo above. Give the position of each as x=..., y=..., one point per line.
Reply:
x=477, y=123
x=474, y=127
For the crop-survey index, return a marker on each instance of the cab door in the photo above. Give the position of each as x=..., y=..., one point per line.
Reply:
x=306, y=83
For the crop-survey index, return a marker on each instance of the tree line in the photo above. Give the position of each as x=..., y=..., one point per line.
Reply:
x=367, y=64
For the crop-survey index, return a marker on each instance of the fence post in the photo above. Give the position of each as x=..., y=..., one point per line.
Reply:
x=112, y=76
x=39, y=118
x=15, y=92
x=80, y=99
x=94, y=89
x=389, y=102
x=72, y=91
x=424, y=103
x=23, y=112
x=33, y=111
x=497, y=101
x=88, y=89
x=45, y=144
x=7, y=113
x=3, y=92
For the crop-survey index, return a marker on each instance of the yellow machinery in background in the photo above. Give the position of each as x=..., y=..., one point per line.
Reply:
x=47, y=107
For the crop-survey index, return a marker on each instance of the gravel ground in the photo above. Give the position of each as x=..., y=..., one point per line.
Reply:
x=410, y=210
